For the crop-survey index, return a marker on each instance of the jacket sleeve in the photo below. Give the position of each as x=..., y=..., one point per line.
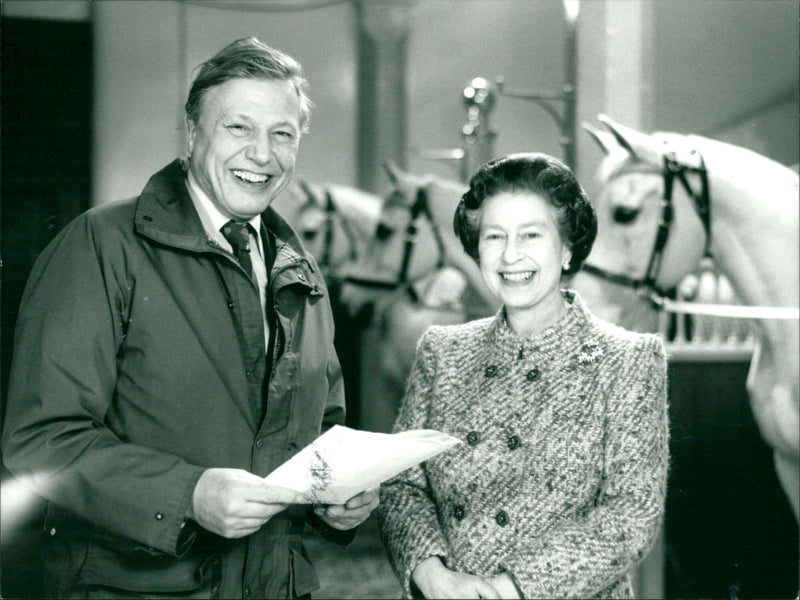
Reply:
x=407, y=513
x=581, y=558
x=334, y=412
x=72, y=322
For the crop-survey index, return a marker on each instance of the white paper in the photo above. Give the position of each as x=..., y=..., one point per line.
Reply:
x=344, y=462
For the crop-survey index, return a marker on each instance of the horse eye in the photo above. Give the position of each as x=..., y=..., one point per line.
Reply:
x=623, y=214
x=309, y=234
x=383, y=232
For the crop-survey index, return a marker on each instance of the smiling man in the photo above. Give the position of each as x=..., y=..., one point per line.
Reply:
x=171, y=351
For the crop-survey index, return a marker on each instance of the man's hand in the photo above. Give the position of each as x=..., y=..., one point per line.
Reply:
x=350, y=514
x=435, y=580
x=234, y=503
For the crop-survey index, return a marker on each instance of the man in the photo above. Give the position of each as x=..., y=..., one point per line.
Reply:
x=163, y=366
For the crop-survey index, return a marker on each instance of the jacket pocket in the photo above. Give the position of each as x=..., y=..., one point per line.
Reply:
x=83, y=554
x=303, y=575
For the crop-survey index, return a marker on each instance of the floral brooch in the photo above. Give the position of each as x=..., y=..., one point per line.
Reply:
x=590, y=353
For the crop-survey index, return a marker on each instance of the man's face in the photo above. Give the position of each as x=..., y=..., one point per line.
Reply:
x=243, y=147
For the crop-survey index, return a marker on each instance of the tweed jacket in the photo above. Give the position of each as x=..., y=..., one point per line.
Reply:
x=561, y=479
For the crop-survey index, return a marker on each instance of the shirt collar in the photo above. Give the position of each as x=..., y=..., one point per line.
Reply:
x=211, y=217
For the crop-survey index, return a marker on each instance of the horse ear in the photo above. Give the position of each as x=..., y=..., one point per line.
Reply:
x=604, y=139
x=643, y=147
x=394, y=172
x=624, y=135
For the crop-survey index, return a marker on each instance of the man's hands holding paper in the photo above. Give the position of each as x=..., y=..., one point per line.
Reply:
x=340, y=473
x=234, y=503
x=352, y=513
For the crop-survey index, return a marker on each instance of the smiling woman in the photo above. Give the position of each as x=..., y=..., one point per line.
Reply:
x=527, y=222
x=558, y=489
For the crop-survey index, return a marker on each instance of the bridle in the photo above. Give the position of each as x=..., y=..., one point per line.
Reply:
x=332, y=215
x=672, y=170
x=419, y=210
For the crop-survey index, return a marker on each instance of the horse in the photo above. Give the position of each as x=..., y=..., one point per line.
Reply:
x=413, y=273
x=333, y=221
x=669, y=201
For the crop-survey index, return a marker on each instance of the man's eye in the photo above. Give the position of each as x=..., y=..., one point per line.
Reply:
x=237, y=129
x=286, y=135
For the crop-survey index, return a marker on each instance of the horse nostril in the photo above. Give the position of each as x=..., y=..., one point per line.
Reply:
x=623, y=214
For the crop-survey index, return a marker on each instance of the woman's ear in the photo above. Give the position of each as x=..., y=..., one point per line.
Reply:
x=191, y=130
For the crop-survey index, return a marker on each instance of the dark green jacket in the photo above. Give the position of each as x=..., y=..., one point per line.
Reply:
x=132, y=374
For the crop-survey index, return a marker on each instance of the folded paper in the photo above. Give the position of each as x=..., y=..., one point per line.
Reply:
x=344, y=462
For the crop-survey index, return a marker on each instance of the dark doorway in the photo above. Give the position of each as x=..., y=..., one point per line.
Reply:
x=46, y=171
x=730, y=531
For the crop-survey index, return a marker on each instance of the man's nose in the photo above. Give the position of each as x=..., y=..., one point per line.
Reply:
x=260, y=149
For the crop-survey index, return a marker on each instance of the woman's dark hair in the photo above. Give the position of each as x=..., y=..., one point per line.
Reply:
x=536, y=173
x=248, y=58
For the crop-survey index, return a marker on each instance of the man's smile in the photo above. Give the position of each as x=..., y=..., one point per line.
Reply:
x=250, y=177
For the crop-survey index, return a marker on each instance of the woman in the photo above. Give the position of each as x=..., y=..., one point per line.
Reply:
x=559, y=486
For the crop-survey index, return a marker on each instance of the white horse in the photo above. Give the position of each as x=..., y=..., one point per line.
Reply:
x=335, y=222
x=751, y=230
x=414, y=271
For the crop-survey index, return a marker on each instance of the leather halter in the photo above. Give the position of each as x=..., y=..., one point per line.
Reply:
x=671, y=170
x=417, y=211
x=332, y=215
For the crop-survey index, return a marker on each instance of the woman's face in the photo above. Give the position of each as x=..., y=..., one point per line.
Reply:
x=521, y=255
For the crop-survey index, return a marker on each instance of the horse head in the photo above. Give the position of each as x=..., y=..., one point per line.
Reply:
x=646, y=230
x=411, y=244
x=333, y=221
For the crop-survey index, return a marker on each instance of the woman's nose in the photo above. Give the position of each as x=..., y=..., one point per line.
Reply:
x=511, y=251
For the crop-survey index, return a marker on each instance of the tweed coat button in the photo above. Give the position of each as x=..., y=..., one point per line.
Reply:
x=458, y=512
x=513, y=442
x=533, y=374
x=502, y=518
x=473, y=437
x=490, y=371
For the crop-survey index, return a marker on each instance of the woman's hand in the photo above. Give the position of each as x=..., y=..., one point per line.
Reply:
x=505, y=586
x=435, y=580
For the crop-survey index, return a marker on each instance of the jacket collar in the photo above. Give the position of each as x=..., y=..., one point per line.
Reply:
x=165, y=214
x=574, y=337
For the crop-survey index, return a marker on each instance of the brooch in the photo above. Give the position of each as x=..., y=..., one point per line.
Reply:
x=590, y=353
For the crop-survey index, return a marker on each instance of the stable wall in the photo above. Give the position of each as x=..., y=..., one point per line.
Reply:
x=719, y=68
